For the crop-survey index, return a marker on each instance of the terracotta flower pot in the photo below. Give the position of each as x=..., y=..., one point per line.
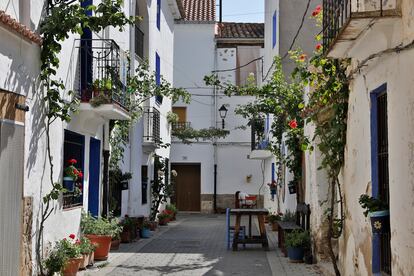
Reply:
x=85, y=261
x=103, y=244
x=163, y=222
x=91, y=258
x=115, y=244
x=126, y=236
x=72, y=266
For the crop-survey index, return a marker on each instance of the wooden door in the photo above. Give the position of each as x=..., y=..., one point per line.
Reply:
x=181, y=112
x=187, y=187
x=12, y=130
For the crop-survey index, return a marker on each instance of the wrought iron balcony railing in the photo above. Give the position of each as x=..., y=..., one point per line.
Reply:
x=338, y=13
x=139, y=42
x=259, y=139
x=102, y=69
x=151, y=125
x=180, y=126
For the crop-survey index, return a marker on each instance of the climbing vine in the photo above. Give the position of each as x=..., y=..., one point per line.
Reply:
x=188, y=134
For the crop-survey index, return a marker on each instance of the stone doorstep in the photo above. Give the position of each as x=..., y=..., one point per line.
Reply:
x=116, y=257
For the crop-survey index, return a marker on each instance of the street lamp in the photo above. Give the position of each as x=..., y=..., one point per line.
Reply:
x=223, y=113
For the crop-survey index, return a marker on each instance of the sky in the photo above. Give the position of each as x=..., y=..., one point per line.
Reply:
x=242, y=10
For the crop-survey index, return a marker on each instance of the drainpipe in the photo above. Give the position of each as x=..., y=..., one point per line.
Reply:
x=105, y=178
x=221, y=11
x=214, y=124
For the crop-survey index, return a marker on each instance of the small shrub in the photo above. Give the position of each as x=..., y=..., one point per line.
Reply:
x=298, y=238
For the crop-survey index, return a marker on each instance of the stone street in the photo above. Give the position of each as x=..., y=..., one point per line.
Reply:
x=195, y=245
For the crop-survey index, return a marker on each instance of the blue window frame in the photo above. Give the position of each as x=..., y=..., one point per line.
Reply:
x=158, y=14
x=274, y=29
x=158, y=75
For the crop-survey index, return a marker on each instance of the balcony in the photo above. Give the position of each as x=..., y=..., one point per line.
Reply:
x=139, y=42
x=259, y=141
x=151, y=138
x=180, y=126
x=346, y=23
x=100, y=78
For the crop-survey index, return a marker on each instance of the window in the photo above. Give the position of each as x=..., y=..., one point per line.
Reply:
x=73, y=148
x=274, y=30
x=158, y=75
x=139, y=35
x=250, y=72
x=181, y=112
x=158, y=14
x=144, y=185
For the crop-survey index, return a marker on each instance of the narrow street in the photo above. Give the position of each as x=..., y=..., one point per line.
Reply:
x=195, y=245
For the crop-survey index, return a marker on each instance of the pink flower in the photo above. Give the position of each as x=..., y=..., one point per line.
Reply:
x=72, y=236
x=293, y=124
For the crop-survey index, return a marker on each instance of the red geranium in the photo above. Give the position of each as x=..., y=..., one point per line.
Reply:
x=72, y=236
x=80, y=174
x=302, y=57
x=293, y=124
x=317, y=10
x=318, y=47
x=72, y=161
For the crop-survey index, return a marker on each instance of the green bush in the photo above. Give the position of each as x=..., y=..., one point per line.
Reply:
x=297, y=238
x=172, y=208
x=99, y=226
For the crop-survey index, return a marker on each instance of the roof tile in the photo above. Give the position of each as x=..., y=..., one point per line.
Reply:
x=240, y=30
x=19, y=28
x=200, y=10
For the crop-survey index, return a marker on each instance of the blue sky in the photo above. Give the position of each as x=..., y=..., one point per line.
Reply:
x=242, y=10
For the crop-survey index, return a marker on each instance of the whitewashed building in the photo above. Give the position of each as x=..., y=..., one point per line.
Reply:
x=377, y=36
x=25, y=170
x=211, y=172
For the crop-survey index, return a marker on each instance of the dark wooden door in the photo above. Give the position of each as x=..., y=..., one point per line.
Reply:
x=187, y=187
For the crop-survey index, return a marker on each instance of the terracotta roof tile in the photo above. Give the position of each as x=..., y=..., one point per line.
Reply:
x=240, y=30
x=15, y=26
x=200, y=10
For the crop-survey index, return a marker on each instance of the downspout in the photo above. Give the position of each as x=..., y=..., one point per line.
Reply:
x=215, y=126
x=105, y=178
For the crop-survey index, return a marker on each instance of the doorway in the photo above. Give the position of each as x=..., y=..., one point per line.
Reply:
x=94, y=173
x=187, y=186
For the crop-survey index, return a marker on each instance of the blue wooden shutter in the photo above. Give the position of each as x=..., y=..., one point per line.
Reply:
x=158, y=14
x=158, y=75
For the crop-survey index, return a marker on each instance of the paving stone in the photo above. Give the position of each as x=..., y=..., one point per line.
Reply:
x=196, y=245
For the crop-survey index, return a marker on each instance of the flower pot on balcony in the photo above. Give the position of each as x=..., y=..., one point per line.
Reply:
x=380, y=221
x=68, y=183
x=103, y=244
x=71, y=267
x=292, y=189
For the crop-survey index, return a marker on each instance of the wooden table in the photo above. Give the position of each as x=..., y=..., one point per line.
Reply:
x=262, y=238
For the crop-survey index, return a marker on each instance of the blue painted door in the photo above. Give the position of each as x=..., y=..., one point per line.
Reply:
x=94, y=172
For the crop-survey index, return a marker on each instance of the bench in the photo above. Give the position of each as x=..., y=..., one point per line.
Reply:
x=302, y=222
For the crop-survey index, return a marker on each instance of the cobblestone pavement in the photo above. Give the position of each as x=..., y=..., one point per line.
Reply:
x=195, y=245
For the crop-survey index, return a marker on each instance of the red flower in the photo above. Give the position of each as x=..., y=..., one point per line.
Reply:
x=72, y=236
x=75, y=172
x=72, y=161
x=78, y=241
x=80, y=174
x=317, y=10
x=318, y=47
x=293, y=124
x=302, y=57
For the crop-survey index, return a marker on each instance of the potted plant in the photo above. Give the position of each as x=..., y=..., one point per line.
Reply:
x=163, y=218
x=145, y=230
x=296, y=243
x=72, y=174
x=378, y=212
x=273, y=219
x=127, y=229
x=65, y=257
x=153, y=225
x=172, y=210
x=87, y=249
x=100, y=232
x=116, y=241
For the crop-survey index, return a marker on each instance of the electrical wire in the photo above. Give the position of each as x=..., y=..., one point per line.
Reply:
x=238, y=67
